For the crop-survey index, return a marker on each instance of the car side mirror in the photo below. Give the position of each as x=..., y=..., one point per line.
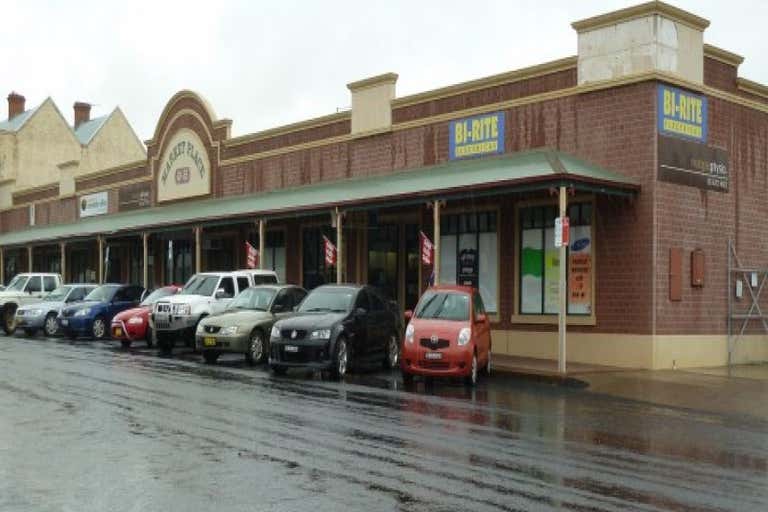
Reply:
x=221, y=293
x=481, y=318
x=408, y=314
x=278, y=308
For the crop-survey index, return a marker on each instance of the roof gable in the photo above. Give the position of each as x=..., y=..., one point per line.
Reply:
x=88, y=130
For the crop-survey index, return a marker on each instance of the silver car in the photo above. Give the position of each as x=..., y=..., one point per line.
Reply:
x=42, y=315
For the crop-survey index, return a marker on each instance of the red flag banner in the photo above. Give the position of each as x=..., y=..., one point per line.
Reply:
x=330, y=251
x=251, y=256
x=427, y=249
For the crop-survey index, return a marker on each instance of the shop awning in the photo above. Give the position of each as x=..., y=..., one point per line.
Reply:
x=519, y=172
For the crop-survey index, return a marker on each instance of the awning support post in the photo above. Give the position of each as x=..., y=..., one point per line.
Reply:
x=339, y=247
x=198, y=249
x=63, y=260
x=436, y=241
x=29, y=258
x=262, y=241
x=144, y=258
x=2, y=265
x=562, y=313
x=100, y=243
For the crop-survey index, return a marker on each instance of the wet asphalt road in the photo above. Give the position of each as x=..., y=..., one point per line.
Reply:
x=89, y=427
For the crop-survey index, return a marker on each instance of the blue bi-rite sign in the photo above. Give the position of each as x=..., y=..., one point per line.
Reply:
x=682, y=113
x=476, y=136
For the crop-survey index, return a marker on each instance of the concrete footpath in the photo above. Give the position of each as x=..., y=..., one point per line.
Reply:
x=738, y=390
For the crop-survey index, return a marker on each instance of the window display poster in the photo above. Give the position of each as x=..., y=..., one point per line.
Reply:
x=532, y=272
x=551, y=273
x=580, y=271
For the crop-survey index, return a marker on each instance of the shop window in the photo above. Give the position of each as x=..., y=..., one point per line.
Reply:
x=469, y=253
x=540, y=260
x=315, y=271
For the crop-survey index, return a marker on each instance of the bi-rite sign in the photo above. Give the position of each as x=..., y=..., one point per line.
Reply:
x=682, y=113
x=476, y=136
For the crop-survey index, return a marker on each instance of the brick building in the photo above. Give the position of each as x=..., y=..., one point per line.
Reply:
x=661, y=148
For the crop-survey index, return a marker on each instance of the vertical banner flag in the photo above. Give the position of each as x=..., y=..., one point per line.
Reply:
x=427, y=249
x=251, y=256
x=330, y=251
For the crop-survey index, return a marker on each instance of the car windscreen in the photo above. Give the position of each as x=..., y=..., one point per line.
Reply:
x=200, y=285
x=158, y=294
x=102, y=293
x=58, y=295
x=17, y=283
x=444, y=306
x=253, y=298
x=337, y=300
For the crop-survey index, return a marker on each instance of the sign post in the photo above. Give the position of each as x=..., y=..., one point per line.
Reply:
x=561, y=233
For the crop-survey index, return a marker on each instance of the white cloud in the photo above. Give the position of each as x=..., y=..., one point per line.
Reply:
x=263, y=64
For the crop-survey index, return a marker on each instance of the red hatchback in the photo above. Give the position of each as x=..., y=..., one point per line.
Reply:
x=448, y=335
x=133, y=324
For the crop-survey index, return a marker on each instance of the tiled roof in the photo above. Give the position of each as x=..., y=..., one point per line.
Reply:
x=87, y=130
x=14, y=124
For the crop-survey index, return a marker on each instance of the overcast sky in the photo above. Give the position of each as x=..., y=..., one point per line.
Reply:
x=264, y=64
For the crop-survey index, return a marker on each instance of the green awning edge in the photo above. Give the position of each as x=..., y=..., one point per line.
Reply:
x=518, y=172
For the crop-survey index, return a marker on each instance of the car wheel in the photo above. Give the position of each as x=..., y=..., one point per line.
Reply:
x=278, y=370
x=471, y=379
x=51, y=326
x=392, y=356
x=210, y=356
x=148, y=337
x=9, y=318
x=126, y=344
x=165, y=342
x=99, y=328
x=256, y=348
x=30, y=332
x=341, y=359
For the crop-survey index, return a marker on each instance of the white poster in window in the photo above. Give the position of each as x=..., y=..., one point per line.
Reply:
x=489, y=271
x=531, y=272
x=94, y=204
x=580, y=271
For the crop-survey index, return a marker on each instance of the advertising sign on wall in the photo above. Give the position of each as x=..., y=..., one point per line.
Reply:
x=184, y=169
x=476, y=136
x=94, y=204
x=695, y=165
x=133, y=197
x=682, y=113
x=580, y=271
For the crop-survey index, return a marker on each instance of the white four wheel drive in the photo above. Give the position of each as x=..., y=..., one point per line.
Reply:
x=24, y=289
x=207, y=293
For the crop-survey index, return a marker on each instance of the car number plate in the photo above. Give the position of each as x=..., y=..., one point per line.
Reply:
x=64, y=322
x=291, y=348
x=118, y=331
x=433, y=355
x=209, y=341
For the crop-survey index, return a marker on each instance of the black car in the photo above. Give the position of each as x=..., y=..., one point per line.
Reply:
x=337, y=326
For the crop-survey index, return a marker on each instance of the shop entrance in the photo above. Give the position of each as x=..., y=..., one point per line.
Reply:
x=393, y=261
x=82, y=262
x=177, y=254
x=123, y=261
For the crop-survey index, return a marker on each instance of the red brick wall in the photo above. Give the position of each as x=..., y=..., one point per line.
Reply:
x=690, y=218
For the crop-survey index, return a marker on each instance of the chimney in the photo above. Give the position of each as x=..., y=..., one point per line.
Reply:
x=15, y=104
x=82, y=113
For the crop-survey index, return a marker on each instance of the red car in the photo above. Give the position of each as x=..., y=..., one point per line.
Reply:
x=133, y=324
x=448, y=335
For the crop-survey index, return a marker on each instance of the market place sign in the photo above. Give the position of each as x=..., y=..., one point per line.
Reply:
x=681, y=113
x=692, y=164
x=184, y=168
x=476, y=136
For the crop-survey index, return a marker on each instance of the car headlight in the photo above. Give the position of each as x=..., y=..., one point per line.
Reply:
x=30, y=312
x=135, y=320
x=229, y=331
x=182, y=309
x=464, y=336
x=320, y=334
x=275, y=332
x=409, y=333
x=83, y=312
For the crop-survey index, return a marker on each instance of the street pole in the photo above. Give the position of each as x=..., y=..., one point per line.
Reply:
x=562, y=313
x=436, y=242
